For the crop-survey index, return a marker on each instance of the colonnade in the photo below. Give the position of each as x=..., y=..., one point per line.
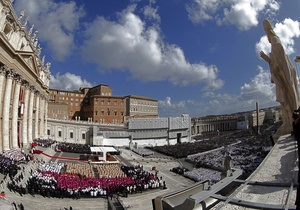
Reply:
x=210, y=126
x=23, y=110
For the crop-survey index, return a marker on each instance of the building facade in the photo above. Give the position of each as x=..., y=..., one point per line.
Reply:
x=140, y=107
x=97, y=104
x=24, y=81
x=139, y=132
x=213, y=124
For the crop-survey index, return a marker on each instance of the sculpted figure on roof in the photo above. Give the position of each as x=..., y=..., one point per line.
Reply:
x=283, y=75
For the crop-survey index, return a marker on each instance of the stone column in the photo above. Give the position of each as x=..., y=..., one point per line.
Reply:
x=6, y=109
x=14, y=122
x=25, y=115
x=37, y=111
x=30, y=113
x=42, y=117
x=3, y=70
x=46, y=117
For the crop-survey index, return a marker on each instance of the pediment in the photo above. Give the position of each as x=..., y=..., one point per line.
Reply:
x=30, y=60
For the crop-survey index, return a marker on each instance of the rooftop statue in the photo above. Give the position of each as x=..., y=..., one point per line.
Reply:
x=283, y=75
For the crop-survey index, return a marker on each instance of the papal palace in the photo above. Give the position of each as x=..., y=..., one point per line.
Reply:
x=89, y=115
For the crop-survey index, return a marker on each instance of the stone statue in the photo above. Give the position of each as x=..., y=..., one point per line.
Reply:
x=227, y=168
x=43, y=60
x=26, y=21
x=21, y=15
x=48, y=64
x=30, y=30
x=34, y=36
x=39, y=48
x=283, y=75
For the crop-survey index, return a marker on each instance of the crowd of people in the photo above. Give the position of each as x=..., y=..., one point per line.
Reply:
x=44, y=142
x=73, y=148
x=208, y=152
x=72, y=180
x=10, y=162
x=56, y=180
x=202, y=144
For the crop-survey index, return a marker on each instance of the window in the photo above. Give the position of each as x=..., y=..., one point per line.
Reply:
x=83, y=135
x=59, y=133
x=71, y=135
x=48, y=132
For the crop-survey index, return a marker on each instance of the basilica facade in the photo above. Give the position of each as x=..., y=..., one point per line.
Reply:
x=24, y=81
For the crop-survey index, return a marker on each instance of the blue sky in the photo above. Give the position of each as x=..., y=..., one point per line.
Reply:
x=197, y=57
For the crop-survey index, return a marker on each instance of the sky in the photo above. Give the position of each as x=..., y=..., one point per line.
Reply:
x=196, y=57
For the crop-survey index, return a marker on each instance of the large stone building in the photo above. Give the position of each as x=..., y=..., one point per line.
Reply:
x=97, y=104
x=138, y=132
x=24, y=81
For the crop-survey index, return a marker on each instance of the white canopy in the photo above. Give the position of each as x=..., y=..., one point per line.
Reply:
x=103, y=149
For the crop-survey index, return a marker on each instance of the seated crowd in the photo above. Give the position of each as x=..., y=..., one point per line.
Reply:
x=73, y=148
x=57, y=179
x=44, y=142
x=208, y=152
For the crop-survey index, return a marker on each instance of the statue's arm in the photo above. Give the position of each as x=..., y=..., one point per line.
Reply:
x=265, y=57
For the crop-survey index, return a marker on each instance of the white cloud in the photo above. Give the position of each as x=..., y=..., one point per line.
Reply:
x=243, y=14
x=56, y=23
x=259, y=89
x=151, y=13
x=202, y=10
x=128, y=44
x=68, y=81
x=167, y=108
x=168, y=104
x=287, y=31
